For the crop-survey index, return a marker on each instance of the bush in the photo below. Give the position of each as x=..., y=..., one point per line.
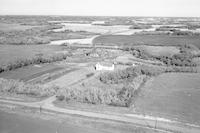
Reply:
x=129, y=74
x=182, y=69
x=89, y=75
x=140, y=26
x=60, y=97
x=96, y=95
x=149, y=70
x=182, y=59
x=120, y=96
x=19, y=87
x=137, y=52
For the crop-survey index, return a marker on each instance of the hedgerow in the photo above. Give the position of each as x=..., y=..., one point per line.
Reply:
x=36, y=60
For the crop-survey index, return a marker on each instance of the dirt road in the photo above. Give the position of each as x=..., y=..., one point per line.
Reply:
x=160, y=124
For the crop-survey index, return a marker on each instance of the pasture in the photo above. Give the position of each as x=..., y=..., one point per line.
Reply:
x=160, y=40
x=172, y=95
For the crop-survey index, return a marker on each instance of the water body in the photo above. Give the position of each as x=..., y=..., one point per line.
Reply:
x=14, y=123
x=100, y=29
x=74, y=41
x=92, y=28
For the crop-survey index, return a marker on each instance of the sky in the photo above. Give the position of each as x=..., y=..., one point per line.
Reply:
x=166, y=8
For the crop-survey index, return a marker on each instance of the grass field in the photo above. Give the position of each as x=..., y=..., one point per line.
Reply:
x=159, y=50
x=172, y=95
x=165, y=40
x=11, y=53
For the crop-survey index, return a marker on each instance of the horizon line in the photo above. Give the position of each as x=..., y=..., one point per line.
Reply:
x=99, y=15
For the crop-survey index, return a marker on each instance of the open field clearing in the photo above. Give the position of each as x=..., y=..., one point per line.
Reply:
x=10, y=53
x=165, y=40
x=14, y=27
x=159, y=50
x=172, y=95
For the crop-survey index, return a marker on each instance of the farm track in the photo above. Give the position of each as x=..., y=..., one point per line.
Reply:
x=159, y=124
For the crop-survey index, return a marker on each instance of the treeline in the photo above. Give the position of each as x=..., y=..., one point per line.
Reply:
x=21, y=88
x=36, y=60
x=115, y=96
x=184, y=58
x=137, y=52
x=177, y=32
x=178, y=60
x=140, y=26
x=128, y=74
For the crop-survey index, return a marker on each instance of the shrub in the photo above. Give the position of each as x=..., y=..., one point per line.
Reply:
x=137, y=52
x=89, y=75
x=182, y=59
x=120, y=96
x=149, y=70
x=60, y=97
x=129, y=74
x=96, y=95
x=19, y=87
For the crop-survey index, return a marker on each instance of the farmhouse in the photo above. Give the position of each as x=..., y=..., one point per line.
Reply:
x=104, y=66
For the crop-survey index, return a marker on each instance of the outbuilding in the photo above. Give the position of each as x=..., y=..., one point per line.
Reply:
x=104, y=66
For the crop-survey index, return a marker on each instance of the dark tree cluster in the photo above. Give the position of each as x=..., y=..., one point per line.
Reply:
x=128, y=74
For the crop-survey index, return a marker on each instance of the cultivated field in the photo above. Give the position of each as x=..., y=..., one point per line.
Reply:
x=172, y=95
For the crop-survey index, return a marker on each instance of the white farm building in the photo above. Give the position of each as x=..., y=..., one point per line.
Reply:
x=104, y=66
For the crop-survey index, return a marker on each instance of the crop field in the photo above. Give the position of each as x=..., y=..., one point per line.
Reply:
x=172, y=95
x=164, y=40
x=11, y=53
